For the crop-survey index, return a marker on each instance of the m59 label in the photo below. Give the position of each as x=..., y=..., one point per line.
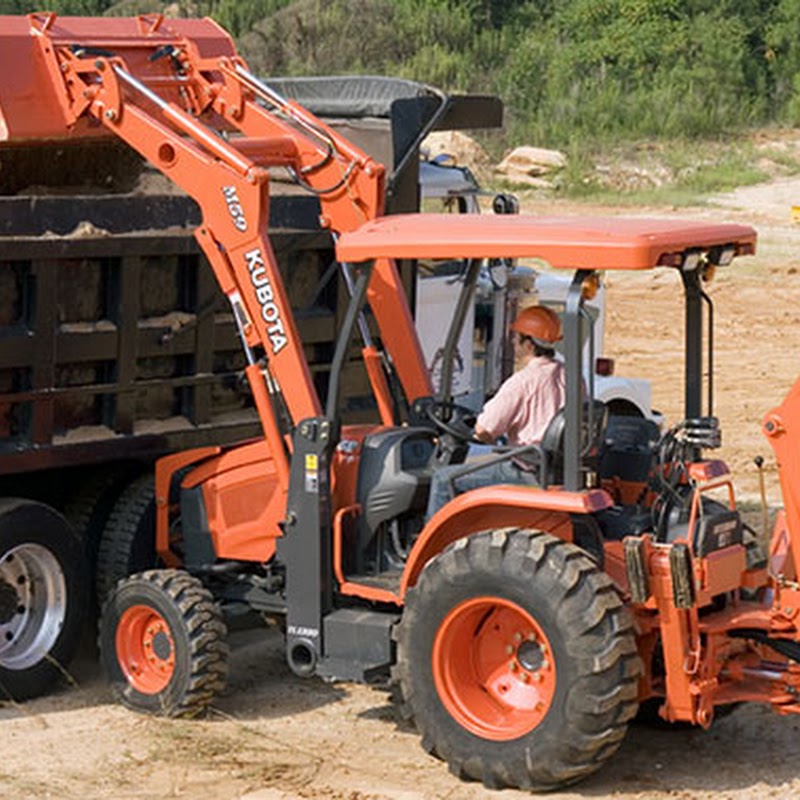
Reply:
x=235, y=208
x=270, y=312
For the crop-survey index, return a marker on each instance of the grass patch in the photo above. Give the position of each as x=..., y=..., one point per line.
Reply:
x=787, y=160
x=675, y=173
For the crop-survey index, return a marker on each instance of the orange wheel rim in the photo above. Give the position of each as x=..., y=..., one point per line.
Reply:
x=145, y=649
x=493, y=668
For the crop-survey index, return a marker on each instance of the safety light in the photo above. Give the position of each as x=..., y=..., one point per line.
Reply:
x=726, y=255
x=604, y=366
x=590, y=286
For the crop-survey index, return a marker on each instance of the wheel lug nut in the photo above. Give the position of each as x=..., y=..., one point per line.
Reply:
x=512, y=665
x=517, y=637
x=509, y=649
x=545, y=664
x=524, y=677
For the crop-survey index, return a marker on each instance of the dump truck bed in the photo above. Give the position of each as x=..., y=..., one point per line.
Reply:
x=115, y=341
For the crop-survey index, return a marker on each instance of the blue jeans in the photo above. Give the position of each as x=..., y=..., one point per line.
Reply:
x=443, y=489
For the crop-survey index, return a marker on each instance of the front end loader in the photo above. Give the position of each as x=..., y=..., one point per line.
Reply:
x=523, y=626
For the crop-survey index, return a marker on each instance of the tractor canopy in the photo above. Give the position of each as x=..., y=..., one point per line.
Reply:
x=582, y=244
x=564, y=242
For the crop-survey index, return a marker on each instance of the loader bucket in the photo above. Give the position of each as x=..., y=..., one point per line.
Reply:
x=39, y=152
x=29, y=105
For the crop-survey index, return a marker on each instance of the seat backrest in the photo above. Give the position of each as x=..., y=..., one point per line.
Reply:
x=593, y=425
x=629, y=449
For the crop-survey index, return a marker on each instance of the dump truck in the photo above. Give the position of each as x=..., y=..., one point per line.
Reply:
x=523, y=627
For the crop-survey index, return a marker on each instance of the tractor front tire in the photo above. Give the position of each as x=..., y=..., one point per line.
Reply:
x=517, y=660
x=162, y=643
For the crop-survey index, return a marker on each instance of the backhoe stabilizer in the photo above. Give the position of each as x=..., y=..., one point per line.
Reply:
x=781, y=426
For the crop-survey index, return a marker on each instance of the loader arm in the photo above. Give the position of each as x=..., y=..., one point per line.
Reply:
x=216, y=130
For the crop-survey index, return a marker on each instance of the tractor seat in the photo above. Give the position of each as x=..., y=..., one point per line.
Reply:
x=593, y=425
x=629, y=448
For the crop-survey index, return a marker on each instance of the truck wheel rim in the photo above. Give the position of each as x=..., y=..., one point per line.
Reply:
x=34, y=605
x=493, y=668
x=145, y=649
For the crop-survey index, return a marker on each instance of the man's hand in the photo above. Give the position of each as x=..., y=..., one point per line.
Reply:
x=484, y=435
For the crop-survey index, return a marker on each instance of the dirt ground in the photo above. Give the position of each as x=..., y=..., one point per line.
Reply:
x=273, y=736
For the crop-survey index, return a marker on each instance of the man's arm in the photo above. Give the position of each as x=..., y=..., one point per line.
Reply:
x=497, y=414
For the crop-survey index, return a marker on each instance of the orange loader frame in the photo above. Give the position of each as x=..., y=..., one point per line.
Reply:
x=170, y=90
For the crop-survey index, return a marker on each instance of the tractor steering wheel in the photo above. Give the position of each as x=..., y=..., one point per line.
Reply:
x=461, y=424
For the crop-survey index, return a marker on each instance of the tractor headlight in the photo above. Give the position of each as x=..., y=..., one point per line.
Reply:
x=691, y=261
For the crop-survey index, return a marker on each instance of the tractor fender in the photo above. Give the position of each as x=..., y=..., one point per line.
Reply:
x=503, y=506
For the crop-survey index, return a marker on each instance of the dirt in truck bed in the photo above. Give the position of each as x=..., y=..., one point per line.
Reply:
x=273, y=736
x=81, y=167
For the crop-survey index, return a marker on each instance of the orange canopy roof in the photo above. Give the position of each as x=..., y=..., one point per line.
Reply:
x=566, y=242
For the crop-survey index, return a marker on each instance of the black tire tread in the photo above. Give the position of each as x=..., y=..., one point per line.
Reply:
x=120, y=533
x=87, y=512
x=205, y=633
x=81, y=509
x=602, y=700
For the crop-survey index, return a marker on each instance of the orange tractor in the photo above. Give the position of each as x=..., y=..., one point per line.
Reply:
x=523, y=626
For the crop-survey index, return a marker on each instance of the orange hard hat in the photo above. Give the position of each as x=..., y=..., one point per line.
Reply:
x=540, y=323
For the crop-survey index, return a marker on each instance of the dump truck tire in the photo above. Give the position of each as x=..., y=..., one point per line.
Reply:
x=43, y=598
x=88, y=510
x=128, y=541
x=162, y=643
x=517, y=660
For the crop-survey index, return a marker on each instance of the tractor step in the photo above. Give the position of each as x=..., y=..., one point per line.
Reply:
x=358, y=645
x=388, y=580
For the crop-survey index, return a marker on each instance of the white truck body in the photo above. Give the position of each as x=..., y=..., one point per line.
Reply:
x=436, y=296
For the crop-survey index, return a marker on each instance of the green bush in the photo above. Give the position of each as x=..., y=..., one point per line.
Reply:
x=570, y=71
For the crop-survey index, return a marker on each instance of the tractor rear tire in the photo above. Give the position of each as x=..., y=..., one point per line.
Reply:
x=43, y=598
x=517, y=660
x=162, y=643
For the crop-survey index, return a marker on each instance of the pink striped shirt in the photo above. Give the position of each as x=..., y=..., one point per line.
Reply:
x=526, y=402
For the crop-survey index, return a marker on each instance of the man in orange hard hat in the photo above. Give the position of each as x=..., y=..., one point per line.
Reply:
x=520, y=411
